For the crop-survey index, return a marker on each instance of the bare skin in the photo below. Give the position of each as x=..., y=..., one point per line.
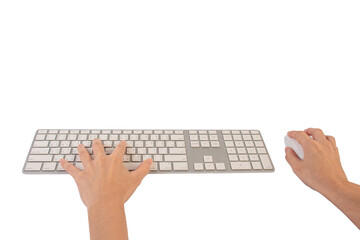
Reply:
x=105, y=185
x=321, y=170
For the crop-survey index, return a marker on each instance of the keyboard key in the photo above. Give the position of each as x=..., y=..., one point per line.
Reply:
x=49, y=166
x=33, y=166
x=40, y=151
x=180, y=166
x=240, y=165
x=205, y=144
x=131, y=166
x=215, y=144
x=41, y=144
x=195, y=144
x=154, y=166
x=198, y=166
x=177, y=150
x=175, y=158
x=256, y=165
x=40, y=158
x=220, y=166
x=265, y=160
x=209, y=166
x=233, y=158
x=79, y=165
x=177, y=137
x=165, y=166
x=208, y=159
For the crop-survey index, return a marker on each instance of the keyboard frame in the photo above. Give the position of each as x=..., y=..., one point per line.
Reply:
x=187, y=143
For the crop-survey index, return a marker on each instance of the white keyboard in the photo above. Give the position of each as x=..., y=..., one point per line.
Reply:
x=172, y=151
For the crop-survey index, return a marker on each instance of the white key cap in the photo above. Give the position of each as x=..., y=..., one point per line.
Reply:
x=226, y=132
x=205, y=144
x=231, y=150
x=240, y=165
x=265, y=160
x=33, y=166
x=152, y=151
x=80, y=166
x=212, y=131
x=256, y=137
x=65, y=144
x=241, y=150
x=58, y=157
x=235, y=132
x=251, y=150
x=249, y=143
x=177, y=150
x=154, y=166
x=261, y=150
x=130, y=151
x=61, y=137
x=256, y=165
x=40, y=158
x=158, y=158
x=254, y=132
x=220, y=166
x=146, y=157
x=247, y=137
x=65, y=150
x=51, y=137
x=202, y=132
x=204, y=137
x=194, y=138
x=70, y=158
x=175, y=158
x=243, y=157
x=180, y=166
x=162, y=150
x=233, y=158
x=42, y=131
x=60, y=168
x=40, y=143
x=179, y=132
x=126, y=158
x=160, y=144
x=74, y=144
x=192, y=132
x=209, y=166
x=72, y=137
x=227, y=137
x=208, y=159
x=259, y=143
x=180, y=143
x=245, y=132
x=254, y=157
x=49, y=166
x=39, y=150
x=165, y=166
x=213, y=137
x=83, y=137
x=239, y=143
x=195, y=144
x=229, y=143
x=177, y=137
x=198, y=166
x=149, y=144
x=54, y=143
x=215, y=144
x=131, y=166
x=54, y=150
x=136, y=158
x=170, y=144
x=237, y=137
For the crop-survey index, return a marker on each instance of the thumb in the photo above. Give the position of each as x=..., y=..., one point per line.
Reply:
x=143, y=169
x=294, y=161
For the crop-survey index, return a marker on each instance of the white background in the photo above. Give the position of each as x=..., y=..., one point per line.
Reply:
x=269, y=65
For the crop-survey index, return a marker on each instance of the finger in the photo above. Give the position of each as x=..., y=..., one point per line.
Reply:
x=69, y=168
x=142, y=170
x=98, y=148
x=84, y=156
x=332, y=140
x=119, y=151
x=294, y=161
x=316, y=133
x=300, y=136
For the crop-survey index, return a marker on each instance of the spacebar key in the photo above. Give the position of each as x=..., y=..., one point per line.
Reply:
x=175, y=158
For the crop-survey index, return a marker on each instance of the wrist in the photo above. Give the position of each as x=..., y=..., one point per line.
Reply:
x=334, y=189
x=106, y=203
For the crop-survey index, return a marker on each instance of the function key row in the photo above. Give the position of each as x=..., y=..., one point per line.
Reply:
x=63, y=131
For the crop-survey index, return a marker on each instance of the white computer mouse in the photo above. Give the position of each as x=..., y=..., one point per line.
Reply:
x=295, y=145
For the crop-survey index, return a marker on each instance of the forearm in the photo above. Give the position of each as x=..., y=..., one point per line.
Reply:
x=107, y=221
x=346, y=197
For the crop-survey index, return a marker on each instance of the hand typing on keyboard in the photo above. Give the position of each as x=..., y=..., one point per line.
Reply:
x=321, y=170
x=105, y=185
